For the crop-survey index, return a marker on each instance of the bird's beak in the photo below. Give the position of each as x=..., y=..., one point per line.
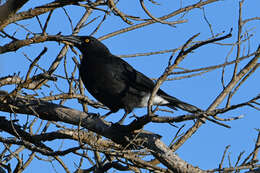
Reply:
x=71, y=40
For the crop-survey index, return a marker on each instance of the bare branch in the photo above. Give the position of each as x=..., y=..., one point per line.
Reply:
x=188, y=8
x=220, y=98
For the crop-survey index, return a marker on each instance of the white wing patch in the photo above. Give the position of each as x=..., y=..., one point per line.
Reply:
x=158, y=100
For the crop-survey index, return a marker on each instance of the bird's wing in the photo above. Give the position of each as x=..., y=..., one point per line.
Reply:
x=140, y=82
x=136, y=79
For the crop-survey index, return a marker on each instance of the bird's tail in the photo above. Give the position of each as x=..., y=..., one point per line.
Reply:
x=184, y=106
x=176, y=103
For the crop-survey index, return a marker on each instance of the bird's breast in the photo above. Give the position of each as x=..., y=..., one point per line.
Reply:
x=101, y=76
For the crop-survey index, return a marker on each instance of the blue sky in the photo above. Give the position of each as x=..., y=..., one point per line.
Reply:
x=205, y=148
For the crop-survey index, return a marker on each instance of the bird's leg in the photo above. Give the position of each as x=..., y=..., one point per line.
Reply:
x=106, y=115
x=123, y=118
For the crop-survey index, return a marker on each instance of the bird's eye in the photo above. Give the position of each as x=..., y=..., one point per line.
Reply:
x=87, y=40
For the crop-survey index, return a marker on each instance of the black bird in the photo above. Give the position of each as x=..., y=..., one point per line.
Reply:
x=114, y=82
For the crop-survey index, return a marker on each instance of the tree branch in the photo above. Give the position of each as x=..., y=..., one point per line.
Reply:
x=119, y=134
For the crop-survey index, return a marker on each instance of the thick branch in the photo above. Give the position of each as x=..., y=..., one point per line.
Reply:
x=8, y=9
x=119, y=134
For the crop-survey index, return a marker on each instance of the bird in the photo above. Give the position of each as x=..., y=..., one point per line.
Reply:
x=114, y=82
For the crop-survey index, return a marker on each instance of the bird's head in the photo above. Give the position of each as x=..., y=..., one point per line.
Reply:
x=86, y=44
